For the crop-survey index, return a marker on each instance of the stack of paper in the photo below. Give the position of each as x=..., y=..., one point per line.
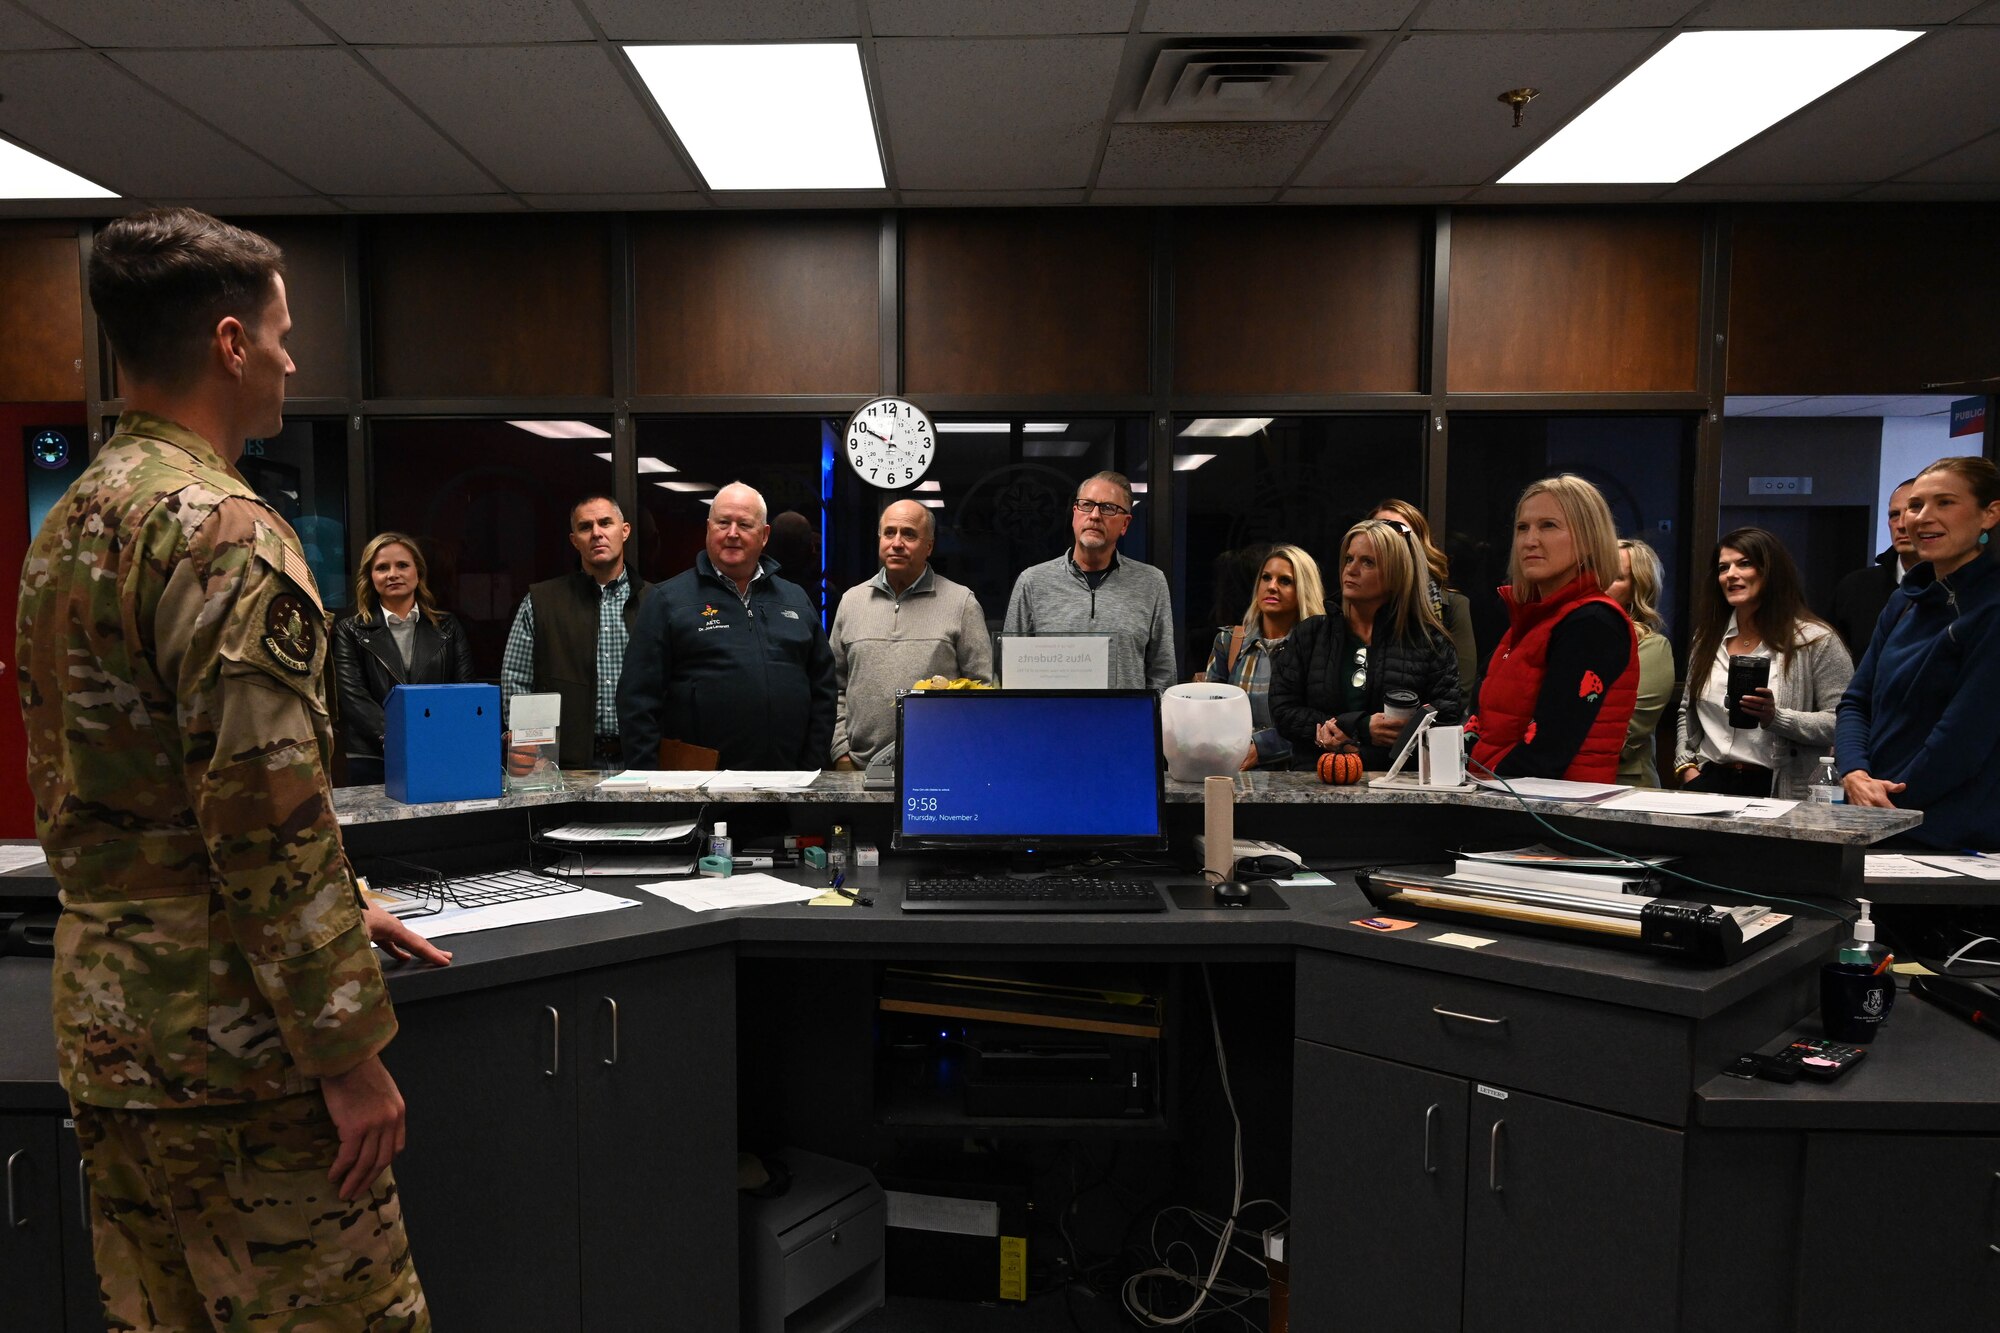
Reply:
x=728, y=779
x=709, y=895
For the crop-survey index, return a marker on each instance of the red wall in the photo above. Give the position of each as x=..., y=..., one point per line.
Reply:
x=17, y=809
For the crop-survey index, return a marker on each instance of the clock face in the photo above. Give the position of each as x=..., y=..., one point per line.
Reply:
x=890, y=443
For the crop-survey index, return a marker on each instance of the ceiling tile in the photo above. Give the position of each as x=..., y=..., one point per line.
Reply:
x=150, y=23
x=1977, y=161
x=818, y=199
x=725, y=20
x=82, y=112
x=1212, y=155
x=432, y=203
x=319, y=114
x=1011, y=113
x=1432, y=194
x=1552, y=14
x=67, y=208
x=1018, y=18
x=989, y=198
x=1820, y=14
x=1532, y=195
x=614, y=203
x=1276, y=17
x=1160, y=198
x=1987, y=13
x=277, y=206
x=1719, y=194
x=543, y=119
x=1430, y=116
x=399, y=21
x=1917, y=191
x=21, y=32
x=1925, y=100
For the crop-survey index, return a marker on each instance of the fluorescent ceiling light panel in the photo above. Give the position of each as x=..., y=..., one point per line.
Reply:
x=1699, y=96
x=605, y=457
x=768, y=116
x=930, y=486
x=655, y=465
x=931, y=504
x=688, y=487
x=1045, y=428
x=563, y=430
x=25, y=176
x=1189, y=462
x=973, y=427
x=1225, y=428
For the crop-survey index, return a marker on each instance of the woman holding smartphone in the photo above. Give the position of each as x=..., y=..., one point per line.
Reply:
x=1754, y=607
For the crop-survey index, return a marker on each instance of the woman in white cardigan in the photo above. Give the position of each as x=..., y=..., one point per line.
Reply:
x=1754, y=607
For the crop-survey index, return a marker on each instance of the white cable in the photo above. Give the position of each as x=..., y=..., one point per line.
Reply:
x=1952, y=961
x=1128, y=1294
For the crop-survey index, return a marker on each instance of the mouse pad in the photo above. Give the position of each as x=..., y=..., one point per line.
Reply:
x=1264, y=897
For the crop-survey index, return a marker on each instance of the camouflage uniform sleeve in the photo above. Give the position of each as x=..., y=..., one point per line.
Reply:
x=247, y=661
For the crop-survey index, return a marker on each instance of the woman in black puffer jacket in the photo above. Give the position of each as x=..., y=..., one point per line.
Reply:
x=1327, y=688
x=396, y=636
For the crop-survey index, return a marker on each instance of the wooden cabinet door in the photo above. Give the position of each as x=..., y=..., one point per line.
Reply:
x=31, y=1288
x=1572, y=1218
x=656, y=1074
x=1378, y=1189
x=488, y=1179
x=1930, y=1261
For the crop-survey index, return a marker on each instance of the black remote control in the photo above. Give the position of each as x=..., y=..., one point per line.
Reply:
x=1823, y=1060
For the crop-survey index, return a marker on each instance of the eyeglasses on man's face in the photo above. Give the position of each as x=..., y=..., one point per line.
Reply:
x=1104, y=507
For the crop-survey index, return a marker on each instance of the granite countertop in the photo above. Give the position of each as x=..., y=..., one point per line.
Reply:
x=1836, y=824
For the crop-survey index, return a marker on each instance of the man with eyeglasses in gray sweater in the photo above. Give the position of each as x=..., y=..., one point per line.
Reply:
x=1089, y=589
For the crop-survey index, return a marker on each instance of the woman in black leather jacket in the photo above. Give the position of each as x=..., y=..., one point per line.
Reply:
x=396, y=636
x=1328, y=687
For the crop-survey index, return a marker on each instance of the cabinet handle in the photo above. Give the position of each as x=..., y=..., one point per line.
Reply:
x=1493, y=1158
x=555, y=1041
x=83, y=1194
x=612, y=1058
x=1430, y=1125
x=15, y=1218
x=1442, y=1012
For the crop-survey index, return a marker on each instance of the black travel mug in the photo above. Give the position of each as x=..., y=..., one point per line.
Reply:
x=1745, y=674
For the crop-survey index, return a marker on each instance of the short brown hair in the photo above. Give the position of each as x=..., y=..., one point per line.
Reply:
x=1115, y=478
x=1976, y=472
x=162, y=279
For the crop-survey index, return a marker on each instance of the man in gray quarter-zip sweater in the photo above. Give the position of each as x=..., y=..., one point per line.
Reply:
x=1088, y=589
x=907, y=623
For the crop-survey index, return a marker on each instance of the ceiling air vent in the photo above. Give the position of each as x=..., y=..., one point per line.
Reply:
x=1204, y=82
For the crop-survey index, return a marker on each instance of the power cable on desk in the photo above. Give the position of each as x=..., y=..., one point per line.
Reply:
x=1642, y=864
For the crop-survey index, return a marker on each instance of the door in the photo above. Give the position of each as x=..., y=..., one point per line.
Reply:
x=488, y=1179
x=1863, y=1264
x=31, y=1230
x=26, y=478
x=1378, y=1187
x=1572, y=1218
x=656, y=1095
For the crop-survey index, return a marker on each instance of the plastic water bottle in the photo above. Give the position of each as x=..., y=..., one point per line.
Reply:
x=1826, y=788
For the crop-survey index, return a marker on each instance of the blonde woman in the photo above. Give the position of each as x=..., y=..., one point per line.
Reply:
x=1637, y=589
x=1452, y=606
x=1287, y=590
x=1560, y=690
x=1329, y=689
x=396, y=636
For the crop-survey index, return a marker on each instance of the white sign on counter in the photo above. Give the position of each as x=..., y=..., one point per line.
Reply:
x=1055, y=661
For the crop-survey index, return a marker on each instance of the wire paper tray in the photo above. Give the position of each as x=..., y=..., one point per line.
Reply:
x=408, y=889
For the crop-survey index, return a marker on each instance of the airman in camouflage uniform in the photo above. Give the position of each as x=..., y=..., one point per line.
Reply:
x=212, y=959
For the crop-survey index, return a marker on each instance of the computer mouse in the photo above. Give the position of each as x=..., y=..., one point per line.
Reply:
x=1232, y=893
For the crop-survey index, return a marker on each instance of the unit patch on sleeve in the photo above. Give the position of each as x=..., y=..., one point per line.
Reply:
x=1590, y=686
x=289, y=633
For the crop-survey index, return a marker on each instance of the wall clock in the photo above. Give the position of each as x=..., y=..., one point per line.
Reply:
x=890, y=443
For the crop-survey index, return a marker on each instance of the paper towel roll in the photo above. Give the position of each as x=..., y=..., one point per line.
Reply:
x=1218, y=800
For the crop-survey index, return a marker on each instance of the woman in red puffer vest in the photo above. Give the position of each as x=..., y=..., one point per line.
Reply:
x=1560, y=689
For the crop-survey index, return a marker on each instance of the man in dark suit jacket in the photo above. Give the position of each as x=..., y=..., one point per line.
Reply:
x=1859, y=597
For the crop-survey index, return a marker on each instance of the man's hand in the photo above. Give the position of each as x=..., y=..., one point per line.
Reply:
x=846, y=764
x=1760, y=704
x=1249, y=760
x=1864, y=790
x=398, y=940
x=368, y=1112
x=1383, y=729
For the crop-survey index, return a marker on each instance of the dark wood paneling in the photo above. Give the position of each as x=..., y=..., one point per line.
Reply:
x=1560, y=301
x=1863, y=298
x=1051, y=302
x=41, y=314
x=1298, y=301
x=746, y=305
x=315, y=290
x=502, y=307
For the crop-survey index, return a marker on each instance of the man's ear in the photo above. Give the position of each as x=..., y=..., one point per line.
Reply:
x=232, y=344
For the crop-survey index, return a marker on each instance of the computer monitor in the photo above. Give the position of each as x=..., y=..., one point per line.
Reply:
x=1028, y=770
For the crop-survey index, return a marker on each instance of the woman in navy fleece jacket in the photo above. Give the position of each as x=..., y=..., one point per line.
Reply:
x=1919, y=726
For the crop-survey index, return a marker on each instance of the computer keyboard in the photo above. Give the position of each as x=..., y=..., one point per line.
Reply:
x=1049, y=893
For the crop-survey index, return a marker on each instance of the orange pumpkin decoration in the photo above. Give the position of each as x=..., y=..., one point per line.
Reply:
x=1340, y=770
